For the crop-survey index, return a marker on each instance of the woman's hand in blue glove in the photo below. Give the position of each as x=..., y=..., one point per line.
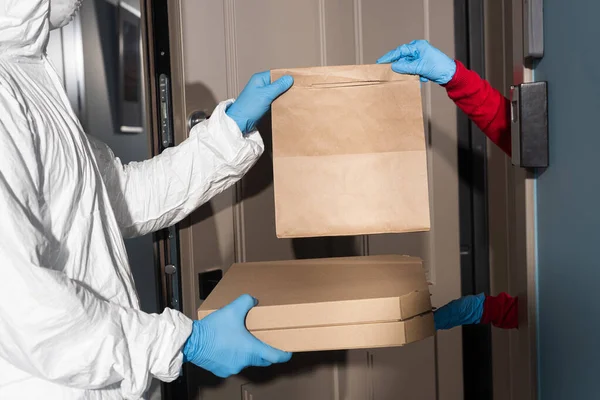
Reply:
x=420, y=58
x=221, y=344
x=256, y=98
x=464, y=311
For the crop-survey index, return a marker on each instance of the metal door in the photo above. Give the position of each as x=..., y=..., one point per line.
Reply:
x=214, y=48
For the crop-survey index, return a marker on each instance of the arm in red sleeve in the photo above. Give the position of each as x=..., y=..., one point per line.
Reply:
x=501, y=311
x=483, y=104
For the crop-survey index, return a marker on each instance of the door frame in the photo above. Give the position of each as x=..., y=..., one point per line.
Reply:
x=473, y=206
x=512, y=209
x=160, y=33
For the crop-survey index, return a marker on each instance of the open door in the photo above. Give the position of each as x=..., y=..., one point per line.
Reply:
x=202, y=52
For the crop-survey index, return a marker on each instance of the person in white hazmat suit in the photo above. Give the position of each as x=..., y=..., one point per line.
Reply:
x=70, y=324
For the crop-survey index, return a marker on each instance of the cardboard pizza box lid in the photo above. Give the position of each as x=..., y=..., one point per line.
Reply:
x=349, y=291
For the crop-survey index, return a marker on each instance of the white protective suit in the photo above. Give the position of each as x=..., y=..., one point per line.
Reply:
x=70, y=324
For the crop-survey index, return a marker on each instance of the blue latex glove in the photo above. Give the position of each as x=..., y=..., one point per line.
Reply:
x=420, y=58
x=256, y=98
x=464, y=311
x=221, y=344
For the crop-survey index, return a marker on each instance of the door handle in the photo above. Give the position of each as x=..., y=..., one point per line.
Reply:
x=195, y=118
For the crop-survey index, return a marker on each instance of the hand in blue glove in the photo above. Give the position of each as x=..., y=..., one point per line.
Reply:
x=420, y=58
x=221, y=344
x=256, y=98
x=464, y=311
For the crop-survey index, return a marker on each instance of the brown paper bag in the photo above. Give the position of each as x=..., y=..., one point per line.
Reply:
x=349, y=153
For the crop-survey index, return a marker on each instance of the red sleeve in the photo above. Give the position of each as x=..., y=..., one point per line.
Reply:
x=483, y=104
x=501, y=311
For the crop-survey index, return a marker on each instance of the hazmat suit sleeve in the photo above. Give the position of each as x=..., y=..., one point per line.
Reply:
x=157, y=193
x=53, y=327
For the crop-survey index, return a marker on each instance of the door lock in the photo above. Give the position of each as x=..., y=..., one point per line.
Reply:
x=529, y=125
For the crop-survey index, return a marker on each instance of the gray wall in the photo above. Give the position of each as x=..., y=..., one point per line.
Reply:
x=100, y=122
x=568, y=195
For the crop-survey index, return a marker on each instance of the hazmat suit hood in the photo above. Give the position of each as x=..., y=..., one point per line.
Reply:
x=25, y=24
x=62, y=12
